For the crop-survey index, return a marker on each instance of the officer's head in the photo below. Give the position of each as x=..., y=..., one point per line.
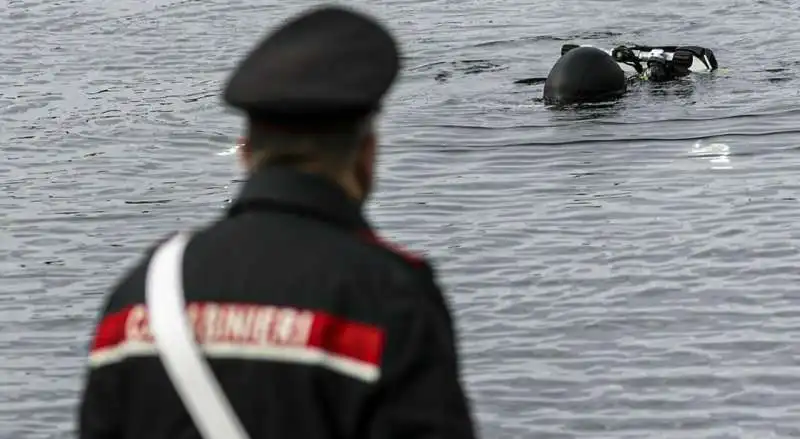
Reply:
x=343, y=149
x=311, y=91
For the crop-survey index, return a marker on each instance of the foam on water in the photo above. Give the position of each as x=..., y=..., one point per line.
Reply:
x=230, y=151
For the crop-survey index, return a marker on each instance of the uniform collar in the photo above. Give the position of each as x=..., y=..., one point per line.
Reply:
x=307, y=194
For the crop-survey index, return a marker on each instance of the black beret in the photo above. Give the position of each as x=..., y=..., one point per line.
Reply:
x=327, y=62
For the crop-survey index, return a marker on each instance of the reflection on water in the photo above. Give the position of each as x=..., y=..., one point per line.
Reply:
x=230, y=151
x=717, y=154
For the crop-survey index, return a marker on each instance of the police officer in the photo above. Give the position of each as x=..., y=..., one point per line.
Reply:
x=313, y=326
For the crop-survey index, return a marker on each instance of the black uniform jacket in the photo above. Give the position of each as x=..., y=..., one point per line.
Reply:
x=314, y=327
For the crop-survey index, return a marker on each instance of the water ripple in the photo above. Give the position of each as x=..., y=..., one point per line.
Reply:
x=617, y=271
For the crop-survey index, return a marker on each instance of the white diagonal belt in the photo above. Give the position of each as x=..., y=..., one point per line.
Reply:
x=174, y=337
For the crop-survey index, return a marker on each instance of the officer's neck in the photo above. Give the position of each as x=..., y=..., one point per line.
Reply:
x=347, y=181
x=344, y=179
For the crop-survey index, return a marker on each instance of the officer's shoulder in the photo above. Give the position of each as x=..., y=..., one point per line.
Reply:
x=129, y=288
x=397, y=252
x=412, y=280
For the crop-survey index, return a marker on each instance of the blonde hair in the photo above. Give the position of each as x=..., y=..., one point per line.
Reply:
x=334, y=146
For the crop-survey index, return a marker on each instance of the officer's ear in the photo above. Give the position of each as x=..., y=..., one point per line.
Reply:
x=369, y=144
x=366, y=162
x=368, y=150
x=245, y=153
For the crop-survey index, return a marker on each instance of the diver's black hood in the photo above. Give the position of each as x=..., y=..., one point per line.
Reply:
x=584, y=74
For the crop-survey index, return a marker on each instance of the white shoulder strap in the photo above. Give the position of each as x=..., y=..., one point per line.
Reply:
x=175, y=339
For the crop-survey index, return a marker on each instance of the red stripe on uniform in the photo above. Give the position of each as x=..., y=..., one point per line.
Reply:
x=252, y=332
x=349, y=339
x=111, y=330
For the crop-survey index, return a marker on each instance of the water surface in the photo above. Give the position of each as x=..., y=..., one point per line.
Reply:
x=617, y=272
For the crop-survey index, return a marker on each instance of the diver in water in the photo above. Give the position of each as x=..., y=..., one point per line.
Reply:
x=586, y=74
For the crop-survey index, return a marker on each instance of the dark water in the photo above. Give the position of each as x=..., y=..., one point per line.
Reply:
x=619, y=272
